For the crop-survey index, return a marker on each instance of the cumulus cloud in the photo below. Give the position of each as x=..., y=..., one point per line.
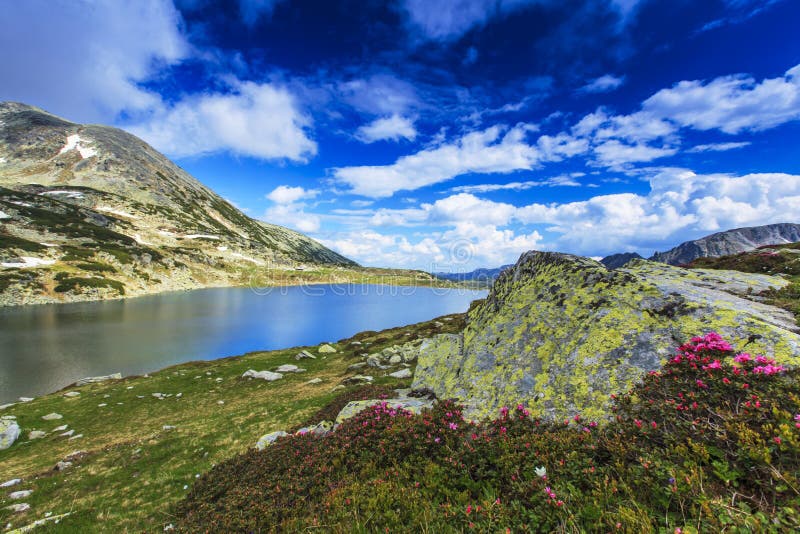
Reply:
x=562, y=180
x=89, y=59
x=615, y=154
x=493, y=150
x=284, y=194
x=603, y=84
x=392, y=128
x=379, y=94
x=293, y=216
x=731, y=104
x=719, y=147
x=258, y=120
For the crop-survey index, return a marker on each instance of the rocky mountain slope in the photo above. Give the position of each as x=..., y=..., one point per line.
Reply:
x=615, y=261
x=91, y=211
x=730, y=242
x=560, y=333
x=482, y=276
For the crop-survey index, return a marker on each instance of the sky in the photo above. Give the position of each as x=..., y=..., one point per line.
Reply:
x=443, y=135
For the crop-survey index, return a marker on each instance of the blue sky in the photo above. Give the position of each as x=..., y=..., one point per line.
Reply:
x=443, y=135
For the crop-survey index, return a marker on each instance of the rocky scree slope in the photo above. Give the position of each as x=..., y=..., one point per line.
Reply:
x=730, y=242
x=110, y=215
x=559, y=334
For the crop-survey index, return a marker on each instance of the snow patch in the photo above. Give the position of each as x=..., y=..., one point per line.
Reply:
x=222, y=249
x=167, y=234
x=49, y=244
x=2, y=160
x=28, y=261
x=21, y=203
x=106, y=209
x=200, y=236
x=4, y=215
x=68, y=194
x=75, y=142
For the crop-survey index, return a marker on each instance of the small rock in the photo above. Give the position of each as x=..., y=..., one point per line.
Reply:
x=264, y=375
x=25, y=399
x=20, y=507
x=220, y=402
x=62, y=466
x=218, y=379
x=373, y=360
x=315, y=381
x=67, y=434
x=289, y=368
x=355, y=343
x=179, y=395
x=268, y=439
x=72, y=394
x=36, y=434
x=17, y=495
x=159, y=396
x=52, y=416
x=9, y=483
x=78, y=436
x=168, y=427
x=304, y=355
x=394, y=360
x=357, y=366
x=9, y=432
x=320, y=429
x=326, y=349
x=102, y=405
x=403, y=373
x=357, y=379
x=60, y=428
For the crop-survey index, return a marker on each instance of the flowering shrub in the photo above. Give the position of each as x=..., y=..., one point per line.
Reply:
x=711, y=442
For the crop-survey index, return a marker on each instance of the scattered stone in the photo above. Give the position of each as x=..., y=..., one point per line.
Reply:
x=168, y=427
x=96, y=379
x=9, y=483
x=62, y=466
x=102, y=405
x=218, y=379
x=403, y=373
x=315, y=381
x=76, y=437
x=269, y=376
x=17, y=495
x=373, y=360
x=20, y=507
x=106, y=396
x=357, y=379
x=9, y=432
x=289, y=368
x=326, y=349
x=72, y=394
x=75, y=455
x=179, y=395
x=220, y=402
x=320, y=429
x=268, y=439
x=354, y=408
x=60, y=428
x=356, y=343
x=25, y=399
x=357, y=366
x=36, y=434
x=304, y=355
x=68, y=433
x=159, y=396
x=52, y=416
x=129, y=387
x=339, y=387
x=396, y=359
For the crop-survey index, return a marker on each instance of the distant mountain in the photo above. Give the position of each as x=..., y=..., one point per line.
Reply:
x=730, y=242
x=482, y=275
x=102, y=213
x=615, y=261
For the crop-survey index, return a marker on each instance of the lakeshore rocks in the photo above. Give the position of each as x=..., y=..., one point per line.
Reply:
x=268, y=439
x=98, y=379
x=560, y=333
x=9, y=431
x=269, y=376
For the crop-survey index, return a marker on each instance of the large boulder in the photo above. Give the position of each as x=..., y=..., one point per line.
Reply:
x=268, y=439
x=9, y=431
x=409, y=404
x=269, y=376
x=560, y=333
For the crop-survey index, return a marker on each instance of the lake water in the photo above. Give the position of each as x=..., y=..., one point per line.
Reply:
x=44, y=348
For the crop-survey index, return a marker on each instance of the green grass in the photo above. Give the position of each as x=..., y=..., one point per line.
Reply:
x=134, y=471
x=78, y=284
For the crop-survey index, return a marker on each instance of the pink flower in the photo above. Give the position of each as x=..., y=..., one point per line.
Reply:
x=469, y=509
x=653, y=424
x=638, y=423
x=777, y=440
x=453, y=426
x=701, y=384
x=713, y=365
x=742, y=358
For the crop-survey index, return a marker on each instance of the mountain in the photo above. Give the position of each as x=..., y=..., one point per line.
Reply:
x=730, y=242
x=102, y=213
x=615, y=261
x=559, y=333
x=482, y=275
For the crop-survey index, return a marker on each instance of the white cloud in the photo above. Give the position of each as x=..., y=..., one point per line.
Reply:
x=392, y=128
x=730, y=103
x=719, y=147
x=293, y=216
x=603, y=84
x=284, y=194
x=563, y=180
x=494, y=150
x=86, y=61
x=613, y=153
x=380, y=94
x=258, y=120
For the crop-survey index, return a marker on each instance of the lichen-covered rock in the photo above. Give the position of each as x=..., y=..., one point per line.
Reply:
x=402, y=373
x=289, y=368
x=304, y=355
x=9, y=432
x=560, y=333
x=269, y=376
x=326, y=349
x=354, y=408
x=268, y=439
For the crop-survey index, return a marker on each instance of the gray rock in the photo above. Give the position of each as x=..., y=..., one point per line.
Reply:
x=357, y=366
x=60, y=428
x=62, y=466
x=289, y=368
x=9, y=405
x=19, y=507
x=52, y=416
x=354, y=408
x=72, y=394
x=396, y=359
x=373, y=360
x=9, y=483
x=25, y=399
x=17, y=495
x=357, y=379
x=304, y=355
x=36, y=434
x=403, y=373
x=326, y=349
x=268, y=439
x=269, y=376
x=314, y=381
x=320, y=429
x=97, y=379
x=9, y=432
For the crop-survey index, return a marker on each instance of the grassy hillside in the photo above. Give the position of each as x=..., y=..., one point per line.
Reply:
x=133, y=468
